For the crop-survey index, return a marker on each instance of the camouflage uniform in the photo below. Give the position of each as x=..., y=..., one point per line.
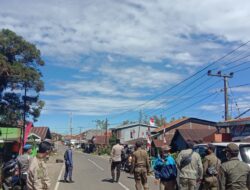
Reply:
x=234, y=174
x=140, y=165
x=190, y=173
x=38, y=178
x=210, y=181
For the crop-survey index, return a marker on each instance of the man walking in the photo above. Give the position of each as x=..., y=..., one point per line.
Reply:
x=24, y=161
x=140, y=167
x=190, y=168
x=211, y=167
x=38, y=178
x=68, y=158
x=234, y=174
x=116, y=158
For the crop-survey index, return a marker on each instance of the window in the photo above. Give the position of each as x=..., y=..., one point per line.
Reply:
x=245, y=153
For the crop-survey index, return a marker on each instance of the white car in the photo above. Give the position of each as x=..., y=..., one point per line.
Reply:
x=244, y=153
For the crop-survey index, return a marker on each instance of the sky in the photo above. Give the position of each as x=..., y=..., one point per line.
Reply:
x=116, y=58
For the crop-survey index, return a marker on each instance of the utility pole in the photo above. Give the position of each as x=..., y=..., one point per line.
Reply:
x=80, y=132
x=225, y=79
x=70, y=125
x=140, y=118
x=106, y=127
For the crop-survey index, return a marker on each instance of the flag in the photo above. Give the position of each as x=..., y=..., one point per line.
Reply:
x=148, y=139
x=164, y=138
x=152, y=122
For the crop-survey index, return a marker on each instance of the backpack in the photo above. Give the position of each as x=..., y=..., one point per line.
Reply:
x=168, y=172
x=186, y=160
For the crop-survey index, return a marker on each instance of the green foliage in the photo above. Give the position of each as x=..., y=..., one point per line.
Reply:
x=104, y=150
x=160, y=121
x=101, y=124
x=112, y=140
x=19, y=63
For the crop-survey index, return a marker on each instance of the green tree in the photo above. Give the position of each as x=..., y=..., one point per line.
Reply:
x=19, y=71
x=101, y=124
x=159, y=121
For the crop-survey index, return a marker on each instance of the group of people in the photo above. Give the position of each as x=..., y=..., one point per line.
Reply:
x=33, y=170
x=188, y=171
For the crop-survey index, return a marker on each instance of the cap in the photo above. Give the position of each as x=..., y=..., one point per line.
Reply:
x=44, y=147
x=27, y=147
x=232, y=147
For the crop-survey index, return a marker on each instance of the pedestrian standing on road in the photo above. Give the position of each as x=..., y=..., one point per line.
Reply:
x=211, y=165
x=68, y=158
x=140, y=167
x=116, y=158
x=24, y=161
x=165, y=169
x=234, y=174
x=190, y=168
x=38, y=178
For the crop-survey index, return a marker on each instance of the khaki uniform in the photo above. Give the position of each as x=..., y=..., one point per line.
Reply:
x=234, y=175
x=140, y=166
x=210, y=181
x=191, y=172
x=38, y=178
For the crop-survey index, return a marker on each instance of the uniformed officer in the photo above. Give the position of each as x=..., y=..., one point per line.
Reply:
x=190, y=168
x=38, y=178
x=211, y=167
x=140, y=167
x=116, y=158
x=68, y=158
x=24, y=161
x=234, y=174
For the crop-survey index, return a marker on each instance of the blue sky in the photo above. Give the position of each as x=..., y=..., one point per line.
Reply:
x=107, y=60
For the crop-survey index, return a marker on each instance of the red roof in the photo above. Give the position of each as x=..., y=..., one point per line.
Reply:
x=40, y=131
x=158, y=143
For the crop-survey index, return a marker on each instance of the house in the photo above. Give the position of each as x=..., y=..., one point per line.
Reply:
x=182, y=136
x=168, y=131
x=39, y=134
x=239, y=128
x=132, y=131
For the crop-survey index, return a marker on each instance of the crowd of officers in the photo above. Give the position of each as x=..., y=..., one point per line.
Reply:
x=188, y=171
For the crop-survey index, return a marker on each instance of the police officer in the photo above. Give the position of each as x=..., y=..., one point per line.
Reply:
x=211, y=167
x=68, y=158
x=140, y=167
x=38, y=178
x=190, y=168
x=116, y=158
x=234, y=174
x=24, y=161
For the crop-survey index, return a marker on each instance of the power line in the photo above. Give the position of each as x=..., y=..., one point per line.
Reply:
x=178, y=84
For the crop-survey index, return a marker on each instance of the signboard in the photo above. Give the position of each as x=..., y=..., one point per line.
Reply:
x=240, y=131
x=9, y=133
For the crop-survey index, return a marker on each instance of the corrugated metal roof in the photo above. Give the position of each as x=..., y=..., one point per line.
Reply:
x=233, y=122
x=40, y=131
x=196, y=134
x=170, y=124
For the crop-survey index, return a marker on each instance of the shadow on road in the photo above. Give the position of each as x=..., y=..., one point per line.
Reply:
x=107, y=180
x=130, y=177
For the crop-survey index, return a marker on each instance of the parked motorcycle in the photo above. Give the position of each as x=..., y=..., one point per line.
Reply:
x=10, y=176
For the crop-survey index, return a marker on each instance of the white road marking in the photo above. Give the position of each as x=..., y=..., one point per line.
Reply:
x=58, y=179
x=96, y=164
x=123, y=186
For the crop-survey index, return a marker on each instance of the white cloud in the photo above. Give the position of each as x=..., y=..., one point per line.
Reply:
x=150, y=31
x=140, y=76
x=241, y=89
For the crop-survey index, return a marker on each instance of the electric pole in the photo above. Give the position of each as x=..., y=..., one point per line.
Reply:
x=80, y=133
x=106, y=127
x=70, y=125
x=140, y=119
x=225, y=79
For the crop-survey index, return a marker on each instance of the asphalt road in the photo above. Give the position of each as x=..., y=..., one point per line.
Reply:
x=93, y=173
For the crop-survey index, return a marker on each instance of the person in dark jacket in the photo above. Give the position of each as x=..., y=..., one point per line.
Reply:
x=165, y=170
x=68, y=157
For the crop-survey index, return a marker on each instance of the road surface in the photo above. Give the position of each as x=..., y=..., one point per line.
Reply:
x=93, y=173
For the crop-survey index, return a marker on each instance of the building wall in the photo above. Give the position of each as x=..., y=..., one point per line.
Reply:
x=131, y=133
